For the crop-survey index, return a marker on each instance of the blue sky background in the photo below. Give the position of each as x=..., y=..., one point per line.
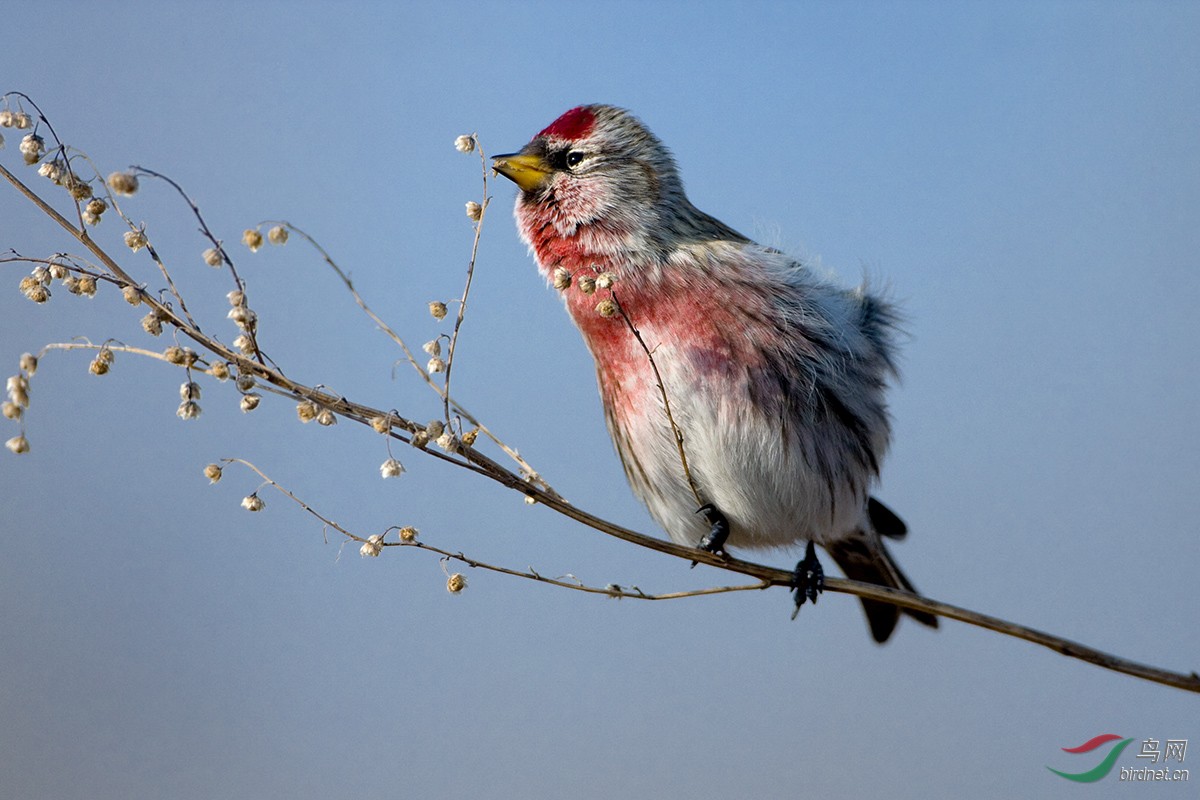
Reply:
x=1025, y=178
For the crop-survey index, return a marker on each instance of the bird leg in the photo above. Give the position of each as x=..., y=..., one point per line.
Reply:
x=714, y=541
x=808, y=580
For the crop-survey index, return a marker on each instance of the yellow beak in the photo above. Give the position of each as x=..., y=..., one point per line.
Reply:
x=530, y=172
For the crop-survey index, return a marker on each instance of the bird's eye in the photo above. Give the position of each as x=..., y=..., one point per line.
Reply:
x=573, y=158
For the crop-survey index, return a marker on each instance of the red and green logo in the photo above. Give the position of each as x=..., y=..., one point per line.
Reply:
x=1104, y=767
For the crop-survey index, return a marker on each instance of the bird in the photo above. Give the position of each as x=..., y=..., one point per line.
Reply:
x=744, y=392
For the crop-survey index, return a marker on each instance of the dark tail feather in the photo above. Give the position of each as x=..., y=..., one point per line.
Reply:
x=863, y=557
x=884, y=520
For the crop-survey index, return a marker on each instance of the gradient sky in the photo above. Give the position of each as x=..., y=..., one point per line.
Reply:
x=1024, y=178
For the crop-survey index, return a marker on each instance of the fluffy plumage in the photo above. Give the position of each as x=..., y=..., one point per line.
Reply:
x=775, y=376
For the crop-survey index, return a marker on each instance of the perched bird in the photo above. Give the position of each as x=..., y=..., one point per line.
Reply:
x=772, y=378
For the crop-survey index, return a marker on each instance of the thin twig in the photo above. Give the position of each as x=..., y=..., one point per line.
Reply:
x=61, y=147
x=204, y=229
x=153, y=252
x=662, y=389
x=60, y=259
x=462, y=303
x=772, y=576
x=27, y=99
x=115, y=348
x=527, y=469
x=612, y=590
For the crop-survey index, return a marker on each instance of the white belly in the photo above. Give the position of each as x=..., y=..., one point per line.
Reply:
x=756, y=470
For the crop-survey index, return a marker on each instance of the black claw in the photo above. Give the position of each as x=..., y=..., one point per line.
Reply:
x=808, y=581
x=714, y=541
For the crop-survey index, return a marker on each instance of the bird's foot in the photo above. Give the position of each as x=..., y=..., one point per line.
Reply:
x=808, y=581
x=714, y=541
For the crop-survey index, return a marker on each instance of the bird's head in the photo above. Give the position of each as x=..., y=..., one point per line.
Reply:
x=595, y=164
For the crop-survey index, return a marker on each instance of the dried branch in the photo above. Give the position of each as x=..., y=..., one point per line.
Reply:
x=773, y=576
x=466, y=456
x=479, y=214
x=677, y=434
x=527, y=469
x=611, y=590
x=204, y=229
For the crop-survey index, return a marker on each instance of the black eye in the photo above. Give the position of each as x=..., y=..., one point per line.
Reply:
x=573, y=158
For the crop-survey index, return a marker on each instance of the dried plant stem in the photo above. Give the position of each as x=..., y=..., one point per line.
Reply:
x=170, y=284
x=115, y=348
x=780, y=577
x=611, y=590
x=527, y=469
x=73, y=263
x=204, y=229
x=162, y=268
x=773, y=576
x=475, y=461
x=80, y=234
x=462, y=303
x=677, y=434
